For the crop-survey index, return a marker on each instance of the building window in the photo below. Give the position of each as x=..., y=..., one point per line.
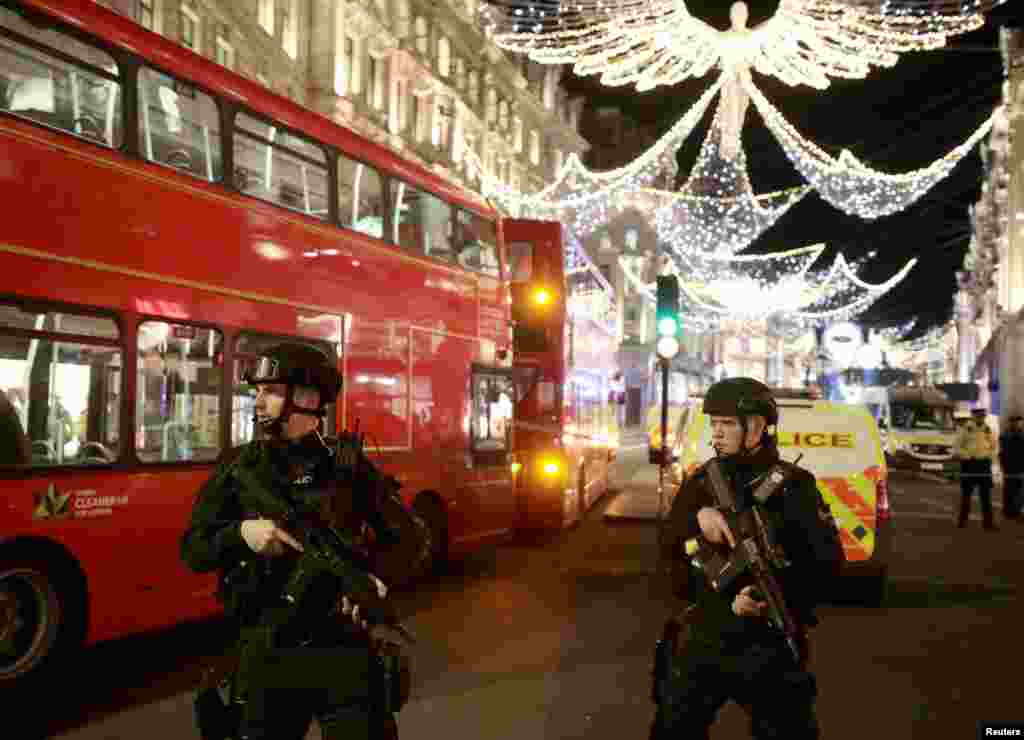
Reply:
x=266, y=13
x=535, y=147
x=376, y=91
x=351, y=61
x=190, y=28
x=400, y=94
x=503, y=115
x=290, y=29
x=492, y=105
x=474, y=87
x=225, y=53
x=559, y=160
x=444, y=57
x=403, y=19
x=416, y=117
x=146, y=14
x=460, y=74
x=422, y=36
x=517, y=133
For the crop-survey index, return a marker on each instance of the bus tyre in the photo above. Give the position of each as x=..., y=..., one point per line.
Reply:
x=34, y=620
x=437, y=524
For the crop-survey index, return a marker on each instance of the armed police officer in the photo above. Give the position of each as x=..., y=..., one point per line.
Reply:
x=305, y=649
x=733, y=641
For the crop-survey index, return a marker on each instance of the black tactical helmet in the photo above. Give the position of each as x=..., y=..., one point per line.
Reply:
x=297, y=365
x=741, y=397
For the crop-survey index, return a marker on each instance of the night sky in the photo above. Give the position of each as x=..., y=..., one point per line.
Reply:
x=898, y=119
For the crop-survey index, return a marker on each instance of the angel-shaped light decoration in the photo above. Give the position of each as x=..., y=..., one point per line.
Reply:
x=658, y=42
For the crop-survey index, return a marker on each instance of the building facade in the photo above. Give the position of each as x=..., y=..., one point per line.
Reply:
x=419, y=77
x=990, y=307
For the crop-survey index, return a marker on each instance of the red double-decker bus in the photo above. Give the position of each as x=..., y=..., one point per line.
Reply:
x=166, y=221
x=566, y=421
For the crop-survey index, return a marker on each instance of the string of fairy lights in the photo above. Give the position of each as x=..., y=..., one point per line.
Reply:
x=651, y=43
x=716, y=214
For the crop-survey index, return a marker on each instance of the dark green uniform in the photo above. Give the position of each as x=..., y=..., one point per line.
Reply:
x=323, y=644
x=723, y=656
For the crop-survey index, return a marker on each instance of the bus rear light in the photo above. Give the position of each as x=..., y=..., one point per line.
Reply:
x=882, y=511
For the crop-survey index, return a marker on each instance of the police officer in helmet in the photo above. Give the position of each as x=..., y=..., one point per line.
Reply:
x=725, y=647
x=255, y=555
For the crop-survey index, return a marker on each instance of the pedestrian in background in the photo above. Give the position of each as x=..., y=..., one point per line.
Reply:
x=1011, y=460
x=974, y=448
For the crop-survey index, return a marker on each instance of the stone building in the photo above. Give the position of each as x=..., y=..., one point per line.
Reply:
x=417, y=76
x=990, y=307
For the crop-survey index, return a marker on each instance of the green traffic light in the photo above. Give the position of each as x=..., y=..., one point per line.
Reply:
x=668, y=326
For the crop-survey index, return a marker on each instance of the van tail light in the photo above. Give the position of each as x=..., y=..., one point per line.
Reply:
x=882, y=511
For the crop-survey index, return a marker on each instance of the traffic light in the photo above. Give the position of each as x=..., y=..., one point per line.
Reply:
x=667, y=316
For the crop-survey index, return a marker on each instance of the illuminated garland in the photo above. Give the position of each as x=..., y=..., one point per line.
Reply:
x=850, y=185
x=658, y=42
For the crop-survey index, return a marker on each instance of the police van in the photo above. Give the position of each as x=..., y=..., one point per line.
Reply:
x=840, y=444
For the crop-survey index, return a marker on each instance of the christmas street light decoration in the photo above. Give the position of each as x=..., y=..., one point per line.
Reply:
x=575, y=186
x=847, y=183
x=658, y=42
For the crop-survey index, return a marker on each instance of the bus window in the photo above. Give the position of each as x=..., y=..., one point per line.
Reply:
x=179, y=126
x=69, y=85
x=274, y=165
x=177, y=394
x=476, y=243
x=422, y=222
x=520, y=262
x=360, y=197
x=62, y=376
x=248, y=349
x=491, y=421
x=377, y=383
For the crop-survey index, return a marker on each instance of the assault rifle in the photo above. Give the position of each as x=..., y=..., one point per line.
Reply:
x=331, y=563
x=757, y=553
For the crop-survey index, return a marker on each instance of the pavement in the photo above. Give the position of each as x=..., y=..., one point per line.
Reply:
x=637, y=498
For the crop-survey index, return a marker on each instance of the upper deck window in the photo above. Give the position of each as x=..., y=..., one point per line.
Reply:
x=53, y=78
x=520, y=260
x=422, y=222
x=476, y=243
x=360, y=197
x=179, y=125
x=275, y=165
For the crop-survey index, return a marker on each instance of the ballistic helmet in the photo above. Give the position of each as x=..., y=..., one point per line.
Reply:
x=741, y=397
x=297, y=365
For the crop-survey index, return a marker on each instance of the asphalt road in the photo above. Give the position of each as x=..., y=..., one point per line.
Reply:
x=552, y=639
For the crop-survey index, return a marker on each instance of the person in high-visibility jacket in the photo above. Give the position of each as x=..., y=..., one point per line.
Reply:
x=975, y=448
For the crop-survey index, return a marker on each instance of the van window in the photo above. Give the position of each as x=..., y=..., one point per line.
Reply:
x=917, y=416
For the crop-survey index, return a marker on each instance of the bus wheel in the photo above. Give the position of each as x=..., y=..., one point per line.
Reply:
x=31, y=618
x=437, y=523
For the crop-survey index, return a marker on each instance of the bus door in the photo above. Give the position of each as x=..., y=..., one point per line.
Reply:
x=492, y=401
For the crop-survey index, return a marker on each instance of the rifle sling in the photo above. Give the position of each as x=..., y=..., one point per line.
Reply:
x=774, y=480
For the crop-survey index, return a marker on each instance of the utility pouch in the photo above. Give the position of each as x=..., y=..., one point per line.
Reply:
x=394, y=674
